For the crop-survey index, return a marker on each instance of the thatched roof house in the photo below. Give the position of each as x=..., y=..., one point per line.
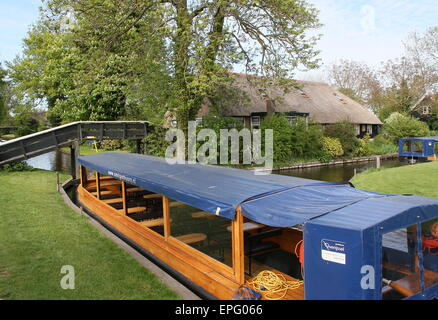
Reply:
x=313, y=100
x=427, y=106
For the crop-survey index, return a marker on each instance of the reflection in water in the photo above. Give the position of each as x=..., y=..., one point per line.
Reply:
x=54, y=161
x=60, y=161
x=339, y=173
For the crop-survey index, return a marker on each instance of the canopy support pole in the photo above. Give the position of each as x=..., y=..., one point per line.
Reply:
x=83, y=176
x=98, y=185
x=125, y=205
x=166, y=217
x=238, y=247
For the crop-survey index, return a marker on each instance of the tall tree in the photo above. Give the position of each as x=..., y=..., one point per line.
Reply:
x=205, y=39
x=354, y=79
x=76, y=70
x=422, y=49
x=4, y=95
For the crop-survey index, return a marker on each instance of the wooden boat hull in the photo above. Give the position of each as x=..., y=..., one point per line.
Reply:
x=169, y=251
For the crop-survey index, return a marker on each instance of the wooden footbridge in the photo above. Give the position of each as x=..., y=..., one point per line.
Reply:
x=71, y=135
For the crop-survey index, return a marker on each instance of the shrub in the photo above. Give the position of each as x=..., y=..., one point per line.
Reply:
x=299, y=140
x=399, y=126
x=20, y=166
x=346, y=133
x=332, y=146
x=382, y=145
x=156, y=141
x=282, y=137
x=110, y=145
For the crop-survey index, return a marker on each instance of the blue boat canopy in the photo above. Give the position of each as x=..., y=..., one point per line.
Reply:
x=273, y=200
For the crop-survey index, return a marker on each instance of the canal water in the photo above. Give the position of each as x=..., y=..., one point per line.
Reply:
x=60, y=161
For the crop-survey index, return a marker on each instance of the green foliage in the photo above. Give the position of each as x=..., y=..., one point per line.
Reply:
x=381, y=145
x=397, y=99
x=156, y=141
x=362, y=148
x=105, y=60
x=332, y=146
x=3, y=93
x=17, y=167
x=283, y=149
x=399, y=126
x=292, y=141
x=111, y=145
x=25, y=122
x=346, y=133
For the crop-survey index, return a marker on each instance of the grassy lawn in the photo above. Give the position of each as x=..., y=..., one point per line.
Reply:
x=8, y=136
x=419, y=179
x=88, y=149
x=39, y=234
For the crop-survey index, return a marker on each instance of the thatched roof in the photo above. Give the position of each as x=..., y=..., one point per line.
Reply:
x=323, y=103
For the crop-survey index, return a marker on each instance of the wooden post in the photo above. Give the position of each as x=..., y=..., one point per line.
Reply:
x=139, y=148
x=73, y=161
x=125, y=205
x=83, y=176
x=98, y=185
x=74, y=154
x=238, y=247
x=166, y=217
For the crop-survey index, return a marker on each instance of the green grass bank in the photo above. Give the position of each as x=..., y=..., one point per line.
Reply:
x=419, y=179
x=39, y=235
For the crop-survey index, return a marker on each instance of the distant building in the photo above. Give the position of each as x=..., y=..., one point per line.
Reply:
x=312, y=100
x=427, y=106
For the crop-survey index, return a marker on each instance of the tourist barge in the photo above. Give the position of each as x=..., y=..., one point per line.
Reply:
x=218, y=228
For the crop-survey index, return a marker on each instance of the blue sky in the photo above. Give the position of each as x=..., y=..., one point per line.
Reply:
x=16, y=16
x=364, y=30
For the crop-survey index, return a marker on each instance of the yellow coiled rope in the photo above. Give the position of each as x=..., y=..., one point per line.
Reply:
x=273, y=286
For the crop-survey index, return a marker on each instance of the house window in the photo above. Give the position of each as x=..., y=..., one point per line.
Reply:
x=427, y=110
x=255, y=122
x=370, y=129
x=290, y=119
x=357, y=129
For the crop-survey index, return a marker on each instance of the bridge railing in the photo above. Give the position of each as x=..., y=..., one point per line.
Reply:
x=70, y=134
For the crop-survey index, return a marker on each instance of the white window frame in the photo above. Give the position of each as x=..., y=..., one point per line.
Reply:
x=290, y=119
x=427, y=110
x=257, y=124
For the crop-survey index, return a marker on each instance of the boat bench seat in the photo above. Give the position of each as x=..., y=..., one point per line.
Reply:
x=102, y=193
x=134, y=210
x=112, y=201
x=192, y=238
x=152, y=222
x=152, y=196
